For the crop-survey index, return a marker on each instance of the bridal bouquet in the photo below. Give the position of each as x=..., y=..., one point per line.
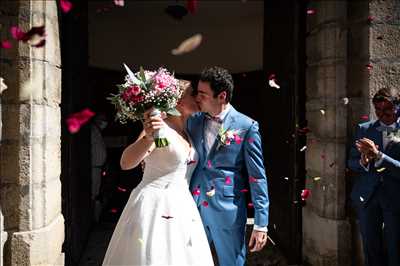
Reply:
x=143, y=90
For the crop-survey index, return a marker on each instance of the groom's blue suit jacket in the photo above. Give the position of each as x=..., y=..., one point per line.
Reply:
x=385, y=177
x=232, y=170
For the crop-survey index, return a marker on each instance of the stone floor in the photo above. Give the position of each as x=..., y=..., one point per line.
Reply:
x=101, y=235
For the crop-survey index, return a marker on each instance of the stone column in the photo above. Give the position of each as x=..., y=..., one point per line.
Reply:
x=30, y=187
x=326, y=229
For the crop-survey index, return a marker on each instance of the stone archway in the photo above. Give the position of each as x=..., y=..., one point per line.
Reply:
x=30, y=187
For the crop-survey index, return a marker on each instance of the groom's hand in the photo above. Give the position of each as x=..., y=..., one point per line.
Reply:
x=257, y=241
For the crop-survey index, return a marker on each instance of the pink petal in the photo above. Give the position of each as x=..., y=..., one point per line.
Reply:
x=73, y=125
x=119, y=2
x=204, y=203
x=114, y=210
x=17, y=33
x=244, y=190
x=65, y=5
x=121, y=189
x=365, y=117
x=311, y=11
x=228, y=180
x=103, y=173
x=196, y=192
x=251, y=205
x=250, y=140
x=370, y=18
x=209, y=164
x=6, y=44
x=252, y=179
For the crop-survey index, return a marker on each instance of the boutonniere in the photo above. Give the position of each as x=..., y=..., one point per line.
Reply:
x=228, y=136
x=394, y=136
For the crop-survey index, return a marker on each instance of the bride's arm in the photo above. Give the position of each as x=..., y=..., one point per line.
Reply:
x=137, y=151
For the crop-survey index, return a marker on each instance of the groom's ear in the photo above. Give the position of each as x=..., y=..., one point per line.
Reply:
x=222, y=96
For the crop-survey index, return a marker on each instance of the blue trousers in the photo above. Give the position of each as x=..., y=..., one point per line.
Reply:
x=230, y=244
x=377, y=219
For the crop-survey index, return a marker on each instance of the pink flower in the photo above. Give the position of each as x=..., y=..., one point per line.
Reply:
x=65, y=6
x=6, y=44
x=237, y=139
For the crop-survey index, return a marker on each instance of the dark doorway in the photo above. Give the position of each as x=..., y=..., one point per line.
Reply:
x=279, y=111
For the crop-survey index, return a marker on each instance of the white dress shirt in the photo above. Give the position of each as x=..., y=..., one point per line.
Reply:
x=210, y=133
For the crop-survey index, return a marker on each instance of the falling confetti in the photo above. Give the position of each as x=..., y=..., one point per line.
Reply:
x=317, y=178
x=303, y=148
x=311, y=11
x=204, y=203
x=381, y=169
x=244, y=190
x=209, y=164
x=6, y=44
x=188, y=45
x=286, y=178
x=370, y=19
x=305, y=193
x=76, y=120
x=3, y=86
x=191, y=6
x=196, y=191
x=361, y=199
x=121, y=189
x=345, y=100
x=272, y=81
x=65, y=5
x=365, y=117
x=252, y=179
x=167, y=217
x=322, y=111
x=228, y=180
x=211, y=192
x=119, y=2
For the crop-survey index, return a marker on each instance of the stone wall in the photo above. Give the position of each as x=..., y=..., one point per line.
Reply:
x=353, y=49
x=326, y=228
x=30, y=187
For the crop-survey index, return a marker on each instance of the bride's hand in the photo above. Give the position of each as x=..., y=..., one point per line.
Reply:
x=151, y=123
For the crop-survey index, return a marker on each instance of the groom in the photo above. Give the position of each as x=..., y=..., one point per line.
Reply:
x=230, y=165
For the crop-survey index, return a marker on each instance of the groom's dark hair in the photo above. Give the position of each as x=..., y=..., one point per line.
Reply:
x=220, y=80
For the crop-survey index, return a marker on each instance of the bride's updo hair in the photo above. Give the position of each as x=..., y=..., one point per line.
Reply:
x=184, y=85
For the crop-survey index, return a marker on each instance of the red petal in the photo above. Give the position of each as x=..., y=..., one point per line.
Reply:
x=228, y=180
x=121, y=189
x=73, y=125
x=305, y=193
x=205, y=203
x=311, y=11
x=251, y=205
x=244, y=190
x=252, y=179
x=114, y=210
x=209, y=164
x=192, y=6
x=65, y=5
x=272, y=76
x=6, y=44
x=365, y=117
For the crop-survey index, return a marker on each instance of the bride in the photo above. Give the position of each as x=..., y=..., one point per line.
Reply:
x=160, y=224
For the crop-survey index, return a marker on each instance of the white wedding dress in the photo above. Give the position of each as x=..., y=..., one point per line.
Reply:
x=160, y=224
